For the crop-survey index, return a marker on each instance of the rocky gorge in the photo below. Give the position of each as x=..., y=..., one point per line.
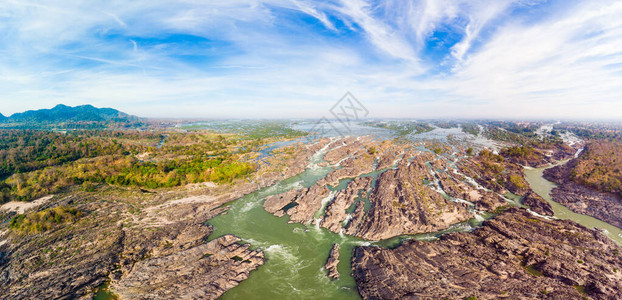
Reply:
x=515, y=255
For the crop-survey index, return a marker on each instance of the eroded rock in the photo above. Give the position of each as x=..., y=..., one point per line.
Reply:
x=515, y=255
x=333, y=262
x=402, y=204
x=204, y=271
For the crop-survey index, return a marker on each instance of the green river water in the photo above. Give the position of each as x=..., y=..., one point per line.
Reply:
x=544, y=187
x=296, y=253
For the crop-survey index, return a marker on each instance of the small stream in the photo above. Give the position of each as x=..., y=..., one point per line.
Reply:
x=544, y=187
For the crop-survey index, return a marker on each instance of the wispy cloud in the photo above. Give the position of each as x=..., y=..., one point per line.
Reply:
x=293, y=58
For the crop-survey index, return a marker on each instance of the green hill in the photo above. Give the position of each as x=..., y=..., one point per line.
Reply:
x=62, y=113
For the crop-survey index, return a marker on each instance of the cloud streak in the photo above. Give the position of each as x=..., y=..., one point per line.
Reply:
x=294, y=58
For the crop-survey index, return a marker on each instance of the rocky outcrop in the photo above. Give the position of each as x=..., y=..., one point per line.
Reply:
x=70, y=261
x=543, y=157
x=581, y=199
x=335, y=213
x=402, y=204
x=308, y=201
x=57, y=265
x=204, y=271
x=537, y=204
x=390, y=155
x=458, y=188
x=274, y=204
x=399, y=203
x=302, y=204
x=343, y=148
x=514, y=256
x=333, y=262
x=501, y=176
x=286, y=162
x=357, y=165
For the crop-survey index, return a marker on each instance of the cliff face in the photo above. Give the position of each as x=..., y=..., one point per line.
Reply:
x=512, y=256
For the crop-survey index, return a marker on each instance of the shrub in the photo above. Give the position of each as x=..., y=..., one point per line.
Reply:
x=44, y=220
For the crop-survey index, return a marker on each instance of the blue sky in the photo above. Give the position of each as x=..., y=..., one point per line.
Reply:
x=296, y=58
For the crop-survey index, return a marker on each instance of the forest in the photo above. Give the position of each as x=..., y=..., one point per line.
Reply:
x=600, y=166
x=37, y=163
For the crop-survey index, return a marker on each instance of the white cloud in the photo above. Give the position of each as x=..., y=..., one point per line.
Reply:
x=263, y=65
x=564, y=63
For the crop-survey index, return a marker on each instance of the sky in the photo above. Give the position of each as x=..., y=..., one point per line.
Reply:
x=297, y=58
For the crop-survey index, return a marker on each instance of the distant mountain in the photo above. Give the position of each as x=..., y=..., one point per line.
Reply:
x=2, y=117
x=63, y=113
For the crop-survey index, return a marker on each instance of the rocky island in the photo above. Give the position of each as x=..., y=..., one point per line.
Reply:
x=515, y=255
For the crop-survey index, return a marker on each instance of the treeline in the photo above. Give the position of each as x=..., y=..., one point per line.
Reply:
x=174, y=173
x=523, y=137
x=29, y=150
x=402, y=128
x=523, y=152
x=124, y=171
x=40, y=163
x=471, y=128
x=593, y=130
x=600, y=167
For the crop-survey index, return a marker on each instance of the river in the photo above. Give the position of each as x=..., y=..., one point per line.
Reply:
x=296, y=253
x=544, y=187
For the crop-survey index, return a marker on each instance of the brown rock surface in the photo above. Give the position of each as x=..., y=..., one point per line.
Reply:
x=581, y=199
x=336, y=210
x=343, y=148
x=458, y=188
x=514, y=256
x=204, y=271
x=357, y=165
x=537, y=204
x=402, y=204
x=309, y=201
x=333, y=262
x=275, y=203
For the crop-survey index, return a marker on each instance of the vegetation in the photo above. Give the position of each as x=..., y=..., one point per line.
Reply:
x=533, y=271
x=471, y=128
x=592, y=131
x=28, y=150
x=71, y=118
x=36, y=163
x=600, y=166
x=256, y=130
x=524, y=152
x=44, y=220
x=523, y=134
x=518, y=181
x=402, y=128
